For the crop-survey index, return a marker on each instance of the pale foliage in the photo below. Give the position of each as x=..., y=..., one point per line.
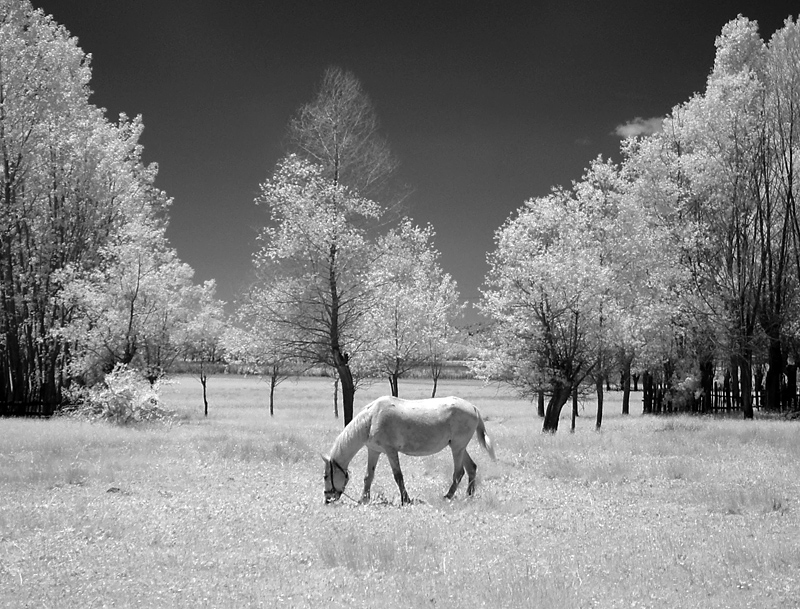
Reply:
x=201, y=338
x=311, y=213
x=545, y=292
x=315, y=259
x=123, y=398
x=569, y=284
x=137, y=309
x=720, y=184
x=262, y=340
x=415, y=303
x=339, y=132
x=685, y=254
x=317, y=249
x=88, y=278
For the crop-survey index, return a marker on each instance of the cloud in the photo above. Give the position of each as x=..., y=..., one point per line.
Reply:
x=639, y=126
x=583, y=141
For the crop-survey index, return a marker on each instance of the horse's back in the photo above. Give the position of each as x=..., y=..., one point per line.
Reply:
x=431, y=411
x=421, y=427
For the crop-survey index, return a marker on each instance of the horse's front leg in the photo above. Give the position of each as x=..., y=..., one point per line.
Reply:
x=394, y=461
x=372, y=461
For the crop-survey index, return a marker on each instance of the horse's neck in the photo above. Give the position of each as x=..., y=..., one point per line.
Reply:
x=352, y=439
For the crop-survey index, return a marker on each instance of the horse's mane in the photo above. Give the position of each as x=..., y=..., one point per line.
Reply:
x=352, y=438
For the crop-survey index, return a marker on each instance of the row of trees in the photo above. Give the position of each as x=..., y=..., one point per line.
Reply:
x=87, y=277
x=89, y=281
x=683, y=257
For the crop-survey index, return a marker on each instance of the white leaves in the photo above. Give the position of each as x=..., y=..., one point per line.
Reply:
x=310, y=212
x=739, y=47
x=415, y=304
x=91, y=276
x=565, y=281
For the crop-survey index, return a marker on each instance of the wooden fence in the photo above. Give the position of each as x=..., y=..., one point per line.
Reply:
x=27, y=409
x=659, y=399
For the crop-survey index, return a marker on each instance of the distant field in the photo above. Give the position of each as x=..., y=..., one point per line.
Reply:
x=228, y=511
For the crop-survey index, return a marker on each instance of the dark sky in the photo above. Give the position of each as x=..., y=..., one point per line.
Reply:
x=484, y=104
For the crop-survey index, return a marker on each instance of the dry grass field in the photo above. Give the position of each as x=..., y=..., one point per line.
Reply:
x=228, y=511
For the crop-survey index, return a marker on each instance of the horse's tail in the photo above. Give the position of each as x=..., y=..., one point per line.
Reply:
x=483, y=437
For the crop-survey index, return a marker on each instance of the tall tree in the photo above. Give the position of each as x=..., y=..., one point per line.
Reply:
x=545, y=295
x=318, y=254
x=70, y=182
x=720, y=179
x=777, y=183
x=338, y=163
x=568, y=288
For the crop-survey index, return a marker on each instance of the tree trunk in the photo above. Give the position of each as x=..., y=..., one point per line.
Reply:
x=348, y=388
x=626, y=386
x=203, y=382
x=774, y=374
x=348, y=397
x=436, y=372
x=791, y=387
x=393, y=379
x=561, y=394
x=707, y=385
x=336, y=398
x=647, y=393
x=599, y=386
x=540, y=403
x=340, y=360
x=273, y=381
x=758, y=387
x=736, y=394
x=746, y=376
x=726, y=390
x=574, y=417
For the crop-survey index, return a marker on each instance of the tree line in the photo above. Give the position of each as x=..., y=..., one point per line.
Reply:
x=88, y=279
x=679, y=260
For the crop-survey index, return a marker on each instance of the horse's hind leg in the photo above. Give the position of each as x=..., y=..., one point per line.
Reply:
x=372, y=461
x=471, y=468
x=458, y=470
x=394, y=461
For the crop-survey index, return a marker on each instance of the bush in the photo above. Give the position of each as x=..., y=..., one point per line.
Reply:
x=123, y=398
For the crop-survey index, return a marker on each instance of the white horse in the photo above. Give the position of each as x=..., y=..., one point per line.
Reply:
x=392, y=425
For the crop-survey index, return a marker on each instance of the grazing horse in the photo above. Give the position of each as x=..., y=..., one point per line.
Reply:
x=392, y=425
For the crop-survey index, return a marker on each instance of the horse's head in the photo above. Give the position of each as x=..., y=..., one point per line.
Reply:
x=336, y=478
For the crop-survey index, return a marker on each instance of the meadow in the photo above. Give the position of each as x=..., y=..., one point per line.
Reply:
x=228, y=511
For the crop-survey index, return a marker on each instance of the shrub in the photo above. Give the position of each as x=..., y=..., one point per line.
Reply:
x=123, y=398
